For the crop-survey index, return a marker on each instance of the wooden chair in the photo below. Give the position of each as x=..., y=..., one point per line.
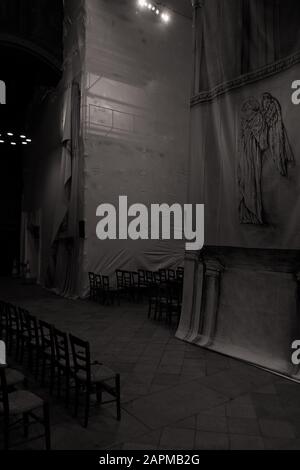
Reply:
x=47, y=353
x=13, y=329
x=24, y=333
x=62, y=362
x=33, y=344
x=98, y=287
x=92, y=377
x=21, y=406
x=109, y=294
x=3, y=321
x=92, y=286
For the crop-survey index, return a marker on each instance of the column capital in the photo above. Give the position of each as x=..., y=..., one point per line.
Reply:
x=213, y=267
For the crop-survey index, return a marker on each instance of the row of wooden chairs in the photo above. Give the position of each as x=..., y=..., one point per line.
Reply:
x=131, y=284
x=65, y=357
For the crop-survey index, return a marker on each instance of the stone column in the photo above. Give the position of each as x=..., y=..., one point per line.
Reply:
x=210, y=305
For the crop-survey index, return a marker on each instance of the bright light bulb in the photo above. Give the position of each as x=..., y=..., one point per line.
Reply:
x=10, y=134
x=13, y=143
x=28, y=140
x=23, y=136
x=149, y=6
x=142, y=3
x=1, y=141
x=157, y=12
x=153, y=8
x=24, y=143
x=165, y=17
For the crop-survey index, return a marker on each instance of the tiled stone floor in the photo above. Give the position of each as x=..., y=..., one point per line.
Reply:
x=174, y=395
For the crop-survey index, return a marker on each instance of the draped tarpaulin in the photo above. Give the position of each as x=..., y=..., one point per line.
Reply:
x=241, y=297
x=63, y=268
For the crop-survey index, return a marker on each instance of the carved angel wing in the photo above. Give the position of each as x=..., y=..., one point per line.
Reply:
x=253, y=141
x=278, y=141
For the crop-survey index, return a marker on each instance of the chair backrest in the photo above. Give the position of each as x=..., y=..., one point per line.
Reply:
x=33, y=329
x=163, y=275
x=105, y=283
x=127, y=279
x=141, y=277
x=4, y=401
x=179, y=274
x=81, y=356
x=3, y=316
x=47, y=337
x=61, y=347
x=171, y=275
x=97, y=281
x=92, y=281
x=119, y=276
x=12, y=317
x=134, y=278
x=23, y=318
x=149, y=277
x=157, y=278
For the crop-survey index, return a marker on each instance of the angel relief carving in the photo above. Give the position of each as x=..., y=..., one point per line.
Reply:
x=262, y=131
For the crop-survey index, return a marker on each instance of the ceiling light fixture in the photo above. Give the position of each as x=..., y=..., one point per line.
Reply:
x=155, y=8
x=165, y=17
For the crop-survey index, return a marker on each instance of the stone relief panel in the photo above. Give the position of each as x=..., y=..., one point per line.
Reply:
x=262, y=135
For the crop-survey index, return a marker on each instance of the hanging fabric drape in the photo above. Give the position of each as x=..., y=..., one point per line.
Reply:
x=64, y=262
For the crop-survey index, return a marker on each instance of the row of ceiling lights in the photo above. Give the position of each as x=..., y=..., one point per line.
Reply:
x=155, y=9
x=12, y=139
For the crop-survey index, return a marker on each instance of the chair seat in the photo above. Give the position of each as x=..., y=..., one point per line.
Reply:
x=14, y=377
x=99, y=373
x=22, y=401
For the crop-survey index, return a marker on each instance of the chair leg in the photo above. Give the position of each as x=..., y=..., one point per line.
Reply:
x=52, y=375
x=99, y=393
x=6, y=433
x=87, y=407
x=43, y=371
x=47, y=426
x=118, y=397
x=76, y=402
x=59, y=381
x=67, y=401
x=26, y=425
